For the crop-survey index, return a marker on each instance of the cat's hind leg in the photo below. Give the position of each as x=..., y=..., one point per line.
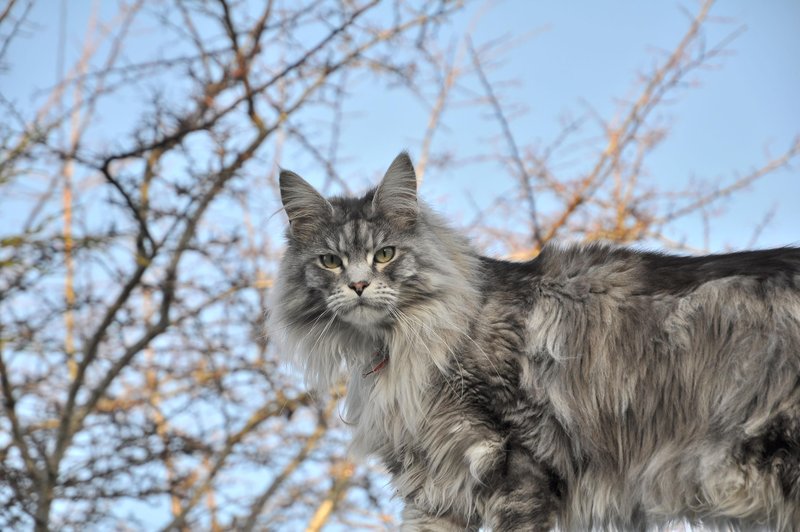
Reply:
x=759, y=485
x=775, y=454
x=417, y=520
x=525, y=496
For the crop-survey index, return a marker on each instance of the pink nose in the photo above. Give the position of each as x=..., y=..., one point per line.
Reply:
x=359, y=286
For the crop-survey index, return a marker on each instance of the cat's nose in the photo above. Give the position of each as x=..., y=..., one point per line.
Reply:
x=359, y=286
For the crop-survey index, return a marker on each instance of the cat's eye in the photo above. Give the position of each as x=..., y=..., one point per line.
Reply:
x=330, y=261
x=384, y=254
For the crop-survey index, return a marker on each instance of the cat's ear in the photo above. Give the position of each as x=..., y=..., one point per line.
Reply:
x=396, y=196
x=308, y=211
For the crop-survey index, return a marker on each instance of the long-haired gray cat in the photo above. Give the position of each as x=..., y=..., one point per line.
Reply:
x=592, y=387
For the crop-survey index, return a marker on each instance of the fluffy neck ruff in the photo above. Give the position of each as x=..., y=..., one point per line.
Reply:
x=389, y=405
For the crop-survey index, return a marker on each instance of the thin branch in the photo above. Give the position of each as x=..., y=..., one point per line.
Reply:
x=522, y=172
x=272, y=409
x=258, y=505
x=771, y=166
x=341, y=473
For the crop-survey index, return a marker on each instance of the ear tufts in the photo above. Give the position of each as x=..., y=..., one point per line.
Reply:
x=396, y=196
x=306, y=208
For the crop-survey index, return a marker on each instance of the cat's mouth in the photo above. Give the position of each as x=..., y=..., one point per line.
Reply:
x=364, y=312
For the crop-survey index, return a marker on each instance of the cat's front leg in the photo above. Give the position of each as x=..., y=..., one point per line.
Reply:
x=417, y=520
x=525, y=497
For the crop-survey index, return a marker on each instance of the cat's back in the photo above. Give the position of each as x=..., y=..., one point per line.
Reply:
x=583, y=270
x=582, y=299
x=616, y=309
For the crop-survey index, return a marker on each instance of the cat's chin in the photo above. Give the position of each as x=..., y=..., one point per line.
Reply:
x=365, y=315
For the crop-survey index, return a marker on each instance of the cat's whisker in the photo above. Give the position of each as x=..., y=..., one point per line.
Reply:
x=450, y=348
x=314, y=324
x=408, y=320
x=400, y=315
x=324, y=330
x=292, y=323
x=466, y=335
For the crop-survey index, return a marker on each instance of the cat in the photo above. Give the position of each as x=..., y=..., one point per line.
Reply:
x=593, y=387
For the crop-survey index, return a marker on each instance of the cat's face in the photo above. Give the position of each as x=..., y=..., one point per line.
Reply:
x=354, y=258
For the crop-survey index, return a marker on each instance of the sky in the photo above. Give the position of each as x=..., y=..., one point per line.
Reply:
x=578, y=53
x=584, y=51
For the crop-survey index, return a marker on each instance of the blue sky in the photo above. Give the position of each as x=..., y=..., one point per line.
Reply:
x=591, y=52
x=579, y=53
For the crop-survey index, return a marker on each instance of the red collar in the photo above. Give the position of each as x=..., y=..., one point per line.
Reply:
x=382, y=363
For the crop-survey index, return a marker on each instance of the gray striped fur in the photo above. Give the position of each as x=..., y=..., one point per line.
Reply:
x=594, y=387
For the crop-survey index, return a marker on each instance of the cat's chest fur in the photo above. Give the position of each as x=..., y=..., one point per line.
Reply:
x=440, y=413
x=392, y=404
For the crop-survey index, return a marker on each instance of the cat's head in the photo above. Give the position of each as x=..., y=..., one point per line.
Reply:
x=357, y=259
x=363, y=272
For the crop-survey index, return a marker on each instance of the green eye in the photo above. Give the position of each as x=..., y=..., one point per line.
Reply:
x=330, y=261
x=384, y=254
